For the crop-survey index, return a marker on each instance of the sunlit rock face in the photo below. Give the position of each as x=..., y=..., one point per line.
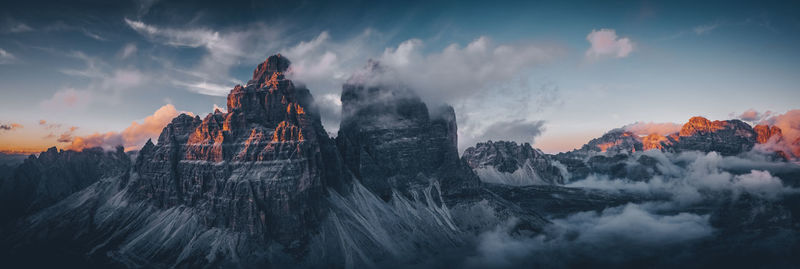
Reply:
x=261, y=169
x=728, y=137
x=655, y=141
x=608, y=153
x=512, y=164
x=764, y=133
x=44, y=180
x=615, y=141
x=390, y=140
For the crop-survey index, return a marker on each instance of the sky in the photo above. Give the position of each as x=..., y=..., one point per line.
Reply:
x=550, y=73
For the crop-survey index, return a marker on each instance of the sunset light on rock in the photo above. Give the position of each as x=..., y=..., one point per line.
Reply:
x=399, y=134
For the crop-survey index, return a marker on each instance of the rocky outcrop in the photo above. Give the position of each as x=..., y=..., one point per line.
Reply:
x=615, y=141
x=655, y=141
x=260, y=169
x=390, y=140
x=728, y=137
x=764, y=133
x=52, y=176
x=513, y=164
x=609, y=153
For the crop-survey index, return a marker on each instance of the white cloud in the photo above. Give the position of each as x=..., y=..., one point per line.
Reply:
x=127, y=51
x=223, y=48
x=323, y=64
x=623, y=233
x=605, y=43
x=6, y=57
x=692, y=177
x=458, y=75
x=204, y=87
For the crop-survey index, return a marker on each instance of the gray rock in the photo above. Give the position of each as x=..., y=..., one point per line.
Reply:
x=512, y=164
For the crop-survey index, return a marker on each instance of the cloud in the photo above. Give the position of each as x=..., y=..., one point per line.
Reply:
x=605, y=43
x=134, y=136
x=627, y=232
x=6, y=57
x=13, y=26
x=128, y=50
x=10, y=126
x=323, y=64
x=707, y=28
x=204, y=87
x=457, y=72
x=789, y=123
x=220, y=108
x=106, y=141
x=678, y=215
x=752, y=115
x=460, y=75
x=68, y=98
x=647, y=128
x=65, y=137
x=106, y=84
x=223, y=48
x=692, y=177
x=519, y=130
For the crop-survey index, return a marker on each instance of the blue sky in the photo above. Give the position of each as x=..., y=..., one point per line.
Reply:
x=100, y=66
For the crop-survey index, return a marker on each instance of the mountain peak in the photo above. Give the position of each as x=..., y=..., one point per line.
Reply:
x=765, y=132
x=275, y=64
x=699, y=124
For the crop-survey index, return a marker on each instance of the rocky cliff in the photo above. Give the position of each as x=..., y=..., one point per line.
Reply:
x=728, y=137
x=512, y=164
x=390, y=140
x=52, y=176
x=261, y=168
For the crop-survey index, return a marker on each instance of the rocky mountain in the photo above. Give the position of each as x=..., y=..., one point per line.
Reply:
x=609, y=153
x=261, y=168
x=764, y=133
x=513, y=164
x=615, y=141
x=728, y=137
x=391, y=141
x=263, y=185
x=42, y=181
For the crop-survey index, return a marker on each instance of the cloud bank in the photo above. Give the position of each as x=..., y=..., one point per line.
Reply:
x=134, y=136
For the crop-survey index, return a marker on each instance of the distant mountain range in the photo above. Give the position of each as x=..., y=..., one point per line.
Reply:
x=264, y=185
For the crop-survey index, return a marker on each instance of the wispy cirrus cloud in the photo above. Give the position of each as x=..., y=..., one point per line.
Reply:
x=106, y=82
x=223, y=49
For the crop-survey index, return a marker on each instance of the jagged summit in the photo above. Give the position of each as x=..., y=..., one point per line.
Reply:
x=390, y=140
x=273, y=65
x=764, y=133
x=261, y=168
x=728, y=137
x=512, y=164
